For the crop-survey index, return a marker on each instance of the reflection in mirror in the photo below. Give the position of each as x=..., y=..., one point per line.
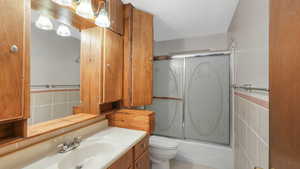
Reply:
x=55, y=69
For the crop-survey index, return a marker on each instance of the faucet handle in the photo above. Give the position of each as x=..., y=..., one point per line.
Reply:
x=62, y=147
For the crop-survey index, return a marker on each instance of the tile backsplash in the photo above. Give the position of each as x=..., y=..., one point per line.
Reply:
x=251, y=134
x=49, y=105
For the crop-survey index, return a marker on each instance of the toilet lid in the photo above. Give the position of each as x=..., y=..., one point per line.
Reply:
x=162, y=142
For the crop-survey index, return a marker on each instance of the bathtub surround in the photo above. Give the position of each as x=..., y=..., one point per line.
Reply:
x=52, y=104
x=261, y=99
x=197, y=153
x=250, y=32
x=251, y=131
x=180, y=165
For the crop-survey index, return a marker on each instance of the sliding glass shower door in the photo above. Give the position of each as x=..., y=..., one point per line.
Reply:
x=206, y=112
x=192, y=98
x=168, y=101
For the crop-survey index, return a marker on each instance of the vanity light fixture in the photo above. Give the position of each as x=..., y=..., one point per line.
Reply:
x=44, y=23
x=85, y=10
x=63, y=2
x=63, y=30
x=102, y=19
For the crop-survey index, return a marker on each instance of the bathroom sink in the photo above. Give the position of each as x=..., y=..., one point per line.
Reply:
x=88, y=156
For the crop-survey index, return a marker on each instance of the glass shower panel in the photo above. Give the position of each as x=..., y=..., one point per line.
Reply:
x=206, y=115
x=168, y=82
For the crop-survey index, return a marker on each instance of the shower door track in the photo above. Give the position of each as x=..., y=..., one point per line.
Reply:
x=194, y=55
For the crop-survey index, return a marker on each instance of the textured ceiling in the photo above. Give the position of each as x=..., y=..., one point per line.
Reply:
x=178, y=19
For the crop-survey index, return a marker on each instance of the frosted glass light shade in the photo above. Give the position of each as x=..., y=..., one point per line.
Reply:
x=63, y=2
x=63, y=31
x=85, y=10
x=44, y=23
x=103, y=20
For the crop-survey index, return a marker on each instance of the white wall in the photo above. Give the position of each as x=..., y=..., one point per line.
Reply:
x=213, y=42
x=53, y=58
x=250, y=32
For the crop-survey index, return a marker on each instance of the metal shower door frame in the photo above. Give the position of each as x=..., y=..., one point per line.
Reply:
x=204, y=54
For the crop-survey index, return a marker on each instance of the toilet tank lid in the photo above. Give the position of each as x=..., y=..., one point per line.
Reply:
x=161, y=142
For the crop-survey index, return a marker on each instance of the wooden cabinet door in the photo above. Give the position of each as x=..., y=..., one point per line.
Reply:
x=142, y=58
x=125, y=162
x=12, y=32
x=116, y=16
x=143, y=162
x=284, y=84
x=141, y=147
x=91, y=69
x=113, y=67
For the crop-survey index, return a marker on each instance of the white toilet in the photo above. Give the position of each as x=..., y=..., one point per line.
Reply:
x=162, y=150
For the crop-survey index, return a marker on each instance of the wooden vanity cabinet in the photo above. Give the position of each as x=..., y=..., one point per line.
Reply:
x=125, y=162
x=101, y=68
x=115, y=10
x=140, y=148
x=136, y=158
x=143, y=161
x=138, y=57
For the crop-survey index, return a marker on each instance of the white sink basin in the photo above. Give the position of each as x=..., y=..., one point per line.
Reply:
x=87, y=157
x=97, y=152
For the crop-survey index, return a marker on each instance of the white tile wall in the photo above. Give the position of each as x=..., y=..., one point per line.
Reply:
x=251, y=132
x=47, y=106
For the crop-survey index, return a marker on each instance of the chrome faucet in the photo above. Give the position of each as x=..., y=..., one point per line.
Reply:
x=66, y=147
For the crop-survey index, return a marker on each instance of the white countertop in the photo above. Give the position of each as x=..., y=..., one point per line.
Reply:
x=121, y=140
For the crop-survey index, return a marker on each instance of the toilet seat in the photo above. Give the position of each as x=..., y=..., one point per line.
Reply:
x=162, y=143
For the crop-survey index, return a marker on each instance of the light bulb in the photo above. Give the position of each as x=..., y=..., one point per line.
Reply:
x=85, y=10
x=102, y=19
x=63, y=30
x=44, y=23
x=63, y=2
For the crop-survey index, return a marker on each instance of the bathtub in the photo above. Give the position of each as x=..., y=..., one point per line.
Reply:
x=211, y=155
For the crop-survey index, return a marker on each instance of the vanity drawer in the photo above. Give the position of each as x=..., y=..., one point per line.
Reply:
x=143, y=162
x=141, y=147
x=125, y=162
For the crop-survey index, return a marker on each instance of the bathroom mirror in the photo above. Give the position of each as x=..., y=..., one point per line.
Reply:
x=55, y=69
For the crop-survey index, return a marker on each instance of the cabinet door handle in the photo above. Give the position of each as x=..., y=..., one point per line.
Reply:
x=108, y=67
x=14, y=49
